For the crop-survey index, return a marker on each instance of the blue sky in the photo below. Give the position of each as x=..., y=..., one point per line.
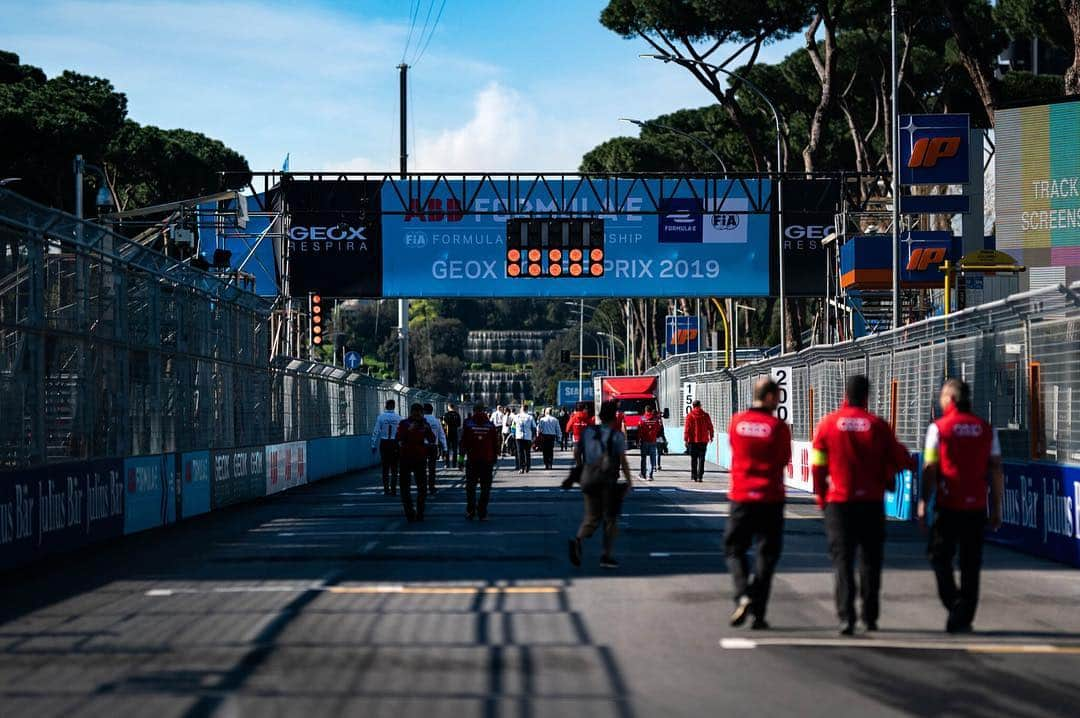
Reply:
x=503, y=85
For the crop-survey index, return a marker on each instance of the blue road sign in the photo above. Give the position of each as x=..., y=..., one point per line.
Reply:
x=568, y=391
x=352, y=360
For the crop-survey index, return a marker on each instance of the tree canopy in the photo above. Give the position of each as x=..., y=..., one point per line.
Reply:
x=45, y=122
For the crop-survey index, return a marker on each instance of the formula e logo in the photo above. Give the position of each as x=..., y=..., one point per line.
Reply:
x=336, y=232
x=928, y=150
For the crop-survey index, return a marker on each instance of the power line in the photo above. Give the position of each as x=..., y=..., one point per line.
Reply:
x=431, y=34
x=423, y=30
x=414, y=12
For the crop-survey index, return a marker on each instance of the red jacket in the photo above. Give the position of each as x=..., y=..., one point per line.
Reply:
x=578, y=421
x=760, y=451
x=480, y=439
x=858, y=455
x=650, y=428
x=414, y=438
x=698, y=428
x=961, y=444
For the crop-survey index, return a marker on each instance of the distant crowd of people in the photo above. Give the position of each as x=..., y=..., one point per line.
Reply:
x=855, y=459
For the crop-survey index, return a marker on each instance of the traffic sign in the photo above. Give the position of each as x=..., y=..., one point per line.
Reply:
x=353, y=360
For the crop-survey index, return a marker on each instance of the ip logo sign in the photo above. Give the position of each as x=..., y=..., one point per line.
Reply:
x=934, y=149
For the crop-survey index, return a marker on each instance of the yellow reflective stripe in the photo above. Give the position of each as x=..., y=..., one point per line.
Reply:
x=819, y=457
x=930, y=456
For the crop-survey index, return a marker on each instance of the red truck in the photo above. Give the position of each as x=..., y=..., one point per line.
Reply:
x=633, y=393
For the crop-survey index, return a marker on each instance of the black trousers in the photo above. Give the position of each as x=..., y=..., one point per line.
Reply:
x=524, y=455
x=432, y=457
x=697, y=459
x=747, y=522
x=452, y=455
x=412, y=471
x=565, y=441
x=388, y=454
x=961, y=530
x=547, y=446
x=482, y=473
x=856, y=529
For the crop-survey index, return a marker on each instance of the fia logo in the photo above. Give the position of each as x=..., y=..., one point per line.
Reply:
x=726, y=221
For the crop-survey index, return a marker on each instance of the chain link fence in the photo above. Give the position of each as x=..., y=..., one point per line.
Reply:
x=109, y=349
x=1021, y=356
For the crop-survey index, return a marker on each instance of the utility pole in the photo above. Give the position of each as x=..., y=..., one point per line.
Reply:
x=403, y=304
x=581, y=349
x=894, y=140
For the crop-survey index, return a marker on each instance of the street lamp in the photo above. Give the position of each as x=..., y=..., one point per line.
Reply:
x=621, y=343
x=104, y=198
x=779, y=168
x=679, y=132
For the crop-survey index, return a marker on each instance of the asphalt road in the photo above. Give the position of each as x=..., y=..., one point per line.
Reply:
x=324, y=601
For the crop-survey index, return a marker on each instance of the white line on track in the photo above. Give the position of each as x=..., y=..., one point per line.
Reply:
x=907, y=645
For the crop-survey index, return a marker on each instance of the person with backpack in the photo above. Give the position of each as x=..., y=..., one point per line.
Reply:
x=480, y=440
x=451, y=421
x=416, y=441
x=650, y=430
x=602, y=452
x=697, y=433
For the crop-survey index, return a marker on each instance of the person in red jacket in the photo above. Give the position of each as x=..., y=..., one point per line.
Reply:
x=415, y=441
x=855, y=459
x=481, y=441
x=961, y=451
x=760, y=451
x=580, y=419
x=697, y=433
x=650, y=429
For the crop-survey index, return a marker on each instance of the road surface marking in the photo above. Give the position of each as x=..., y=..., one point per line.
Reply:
x=368, y=590
x=909, y=645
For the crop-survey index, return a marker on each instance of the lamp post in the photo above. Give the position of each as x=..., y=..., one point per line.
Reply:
x=687, y=135
x=779, y=168
x=895, y=176
x=613, y=338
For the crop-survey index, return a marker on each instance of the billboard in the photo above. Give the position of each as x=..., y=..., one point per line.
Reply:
x=934, y=149
x=682, y=334
x=285, y=466
x=568, y=392
x=239, y=475
x=810, y=208
x=1041, y=510
x=151, y=492
x=1037, y=194
x=59, y=508
x=194, y=483
x=866, y=261
x=333, y=235
x=685, y=250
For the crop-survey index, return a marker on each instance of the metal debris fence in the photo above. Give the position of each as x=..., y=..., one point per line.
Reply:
x=110, y=349
x=1021, y=356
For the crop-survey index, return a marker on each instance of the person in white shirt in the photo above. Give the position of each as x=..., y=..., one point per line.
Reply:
x=384, y=439
x=497, y=417
x=550, y=432
x=524, y=432
x=438, y=449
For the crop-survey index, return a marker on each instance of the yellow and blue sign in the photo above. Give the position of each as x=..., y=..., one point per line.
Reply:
x=934, y=149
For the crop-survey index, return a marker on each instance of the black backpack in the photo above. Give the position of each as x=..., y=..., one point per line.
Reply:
x=605, y=470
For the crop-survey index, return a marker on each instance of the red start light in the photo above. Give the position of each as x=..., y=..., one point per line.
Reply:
x=513, y=270
x=534, y=270
x=555, y=270
x=555, y=255
x=575, y=270
x=513, y=255
x=534, y=255
x=575, y=255
x=596, y=270
x=596, y=255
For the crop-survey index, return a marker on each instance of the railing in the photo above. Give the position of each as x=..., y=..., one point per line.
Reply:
x=1021, y=356
x=108, y=349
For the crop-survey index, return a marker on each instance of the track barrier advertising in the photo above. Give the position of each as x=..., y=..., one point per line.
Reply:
x=285, y=466
x=1041, y=510
x=194, y=483
x=151, y=492
x=239, y=475
x=59, y=508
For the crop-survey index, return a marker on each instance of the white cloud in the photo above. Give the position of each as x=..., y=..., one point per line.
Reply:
x=494, y=138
